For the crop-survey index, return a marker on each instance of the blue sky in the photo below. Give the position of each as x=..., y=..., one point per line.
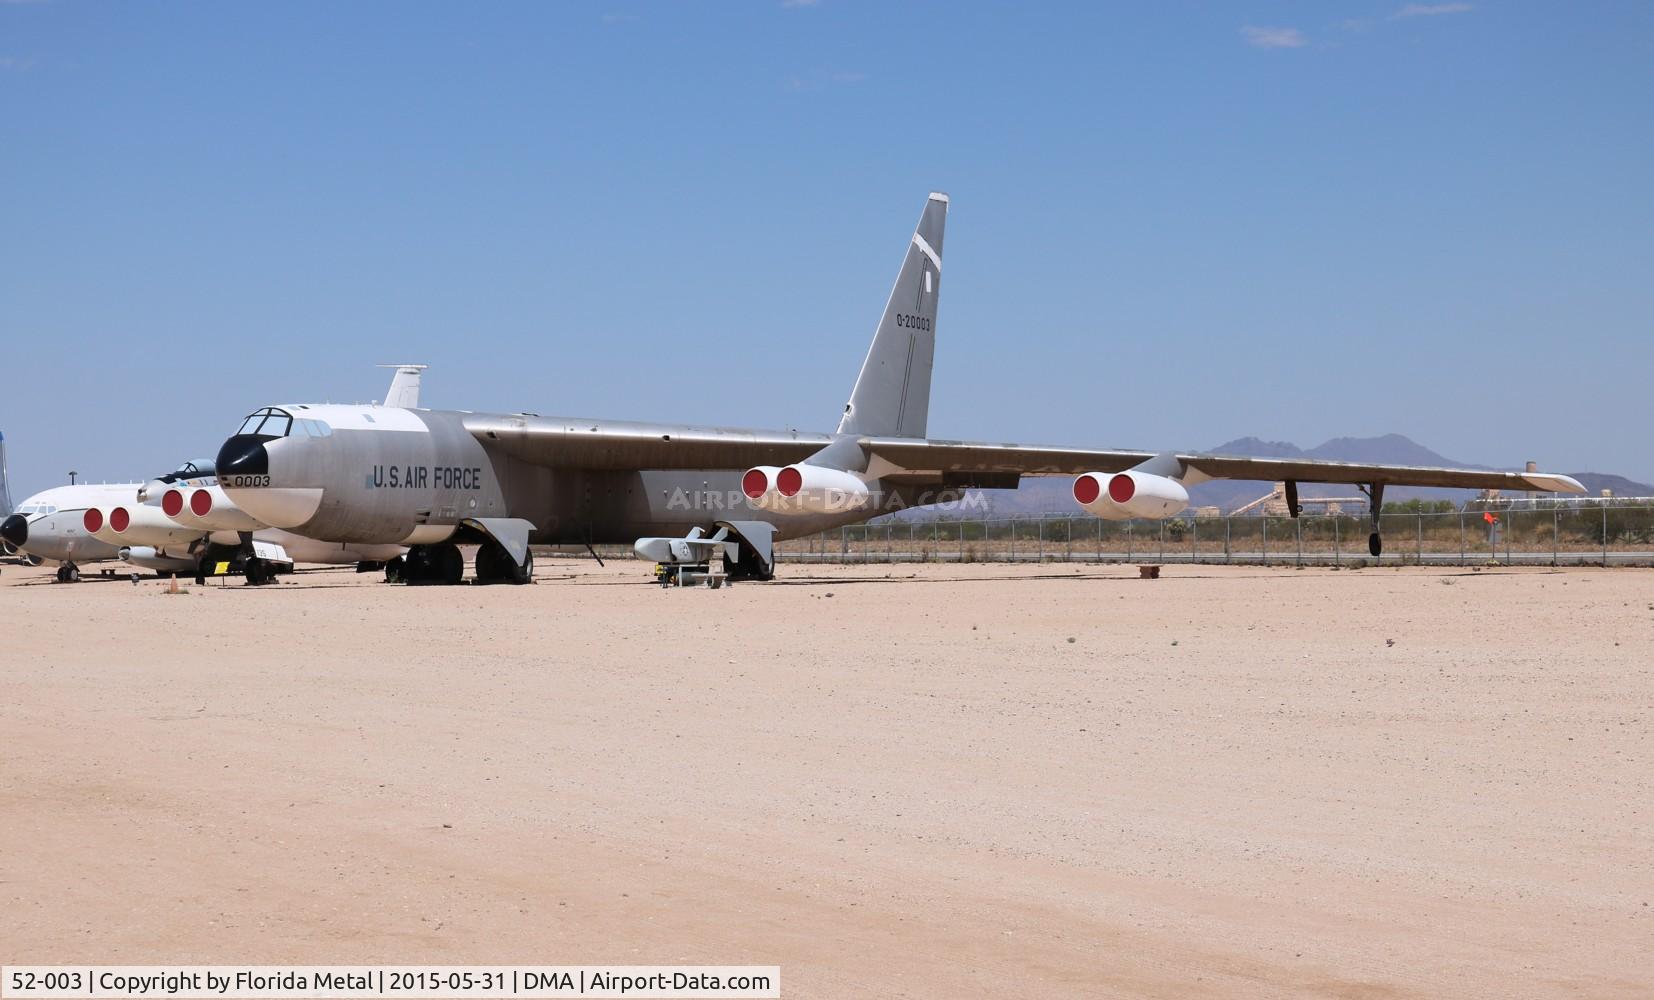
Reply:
x=1173, y=223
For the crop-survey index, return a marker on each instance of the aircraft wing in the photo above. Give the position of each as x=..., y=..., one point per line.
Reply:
x=616, y=444
x=557, y=442
x=903, y=458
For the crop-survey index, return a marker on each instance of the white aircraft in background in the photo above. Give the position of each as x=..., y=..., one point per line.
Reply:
x=178, y=523
x=49, y=526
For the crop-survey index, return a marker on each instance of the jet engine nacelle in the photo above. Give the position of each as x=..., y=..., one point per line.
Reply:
x=206, y=508
x=1130, y=494
x=136, y=525
x=805, y=489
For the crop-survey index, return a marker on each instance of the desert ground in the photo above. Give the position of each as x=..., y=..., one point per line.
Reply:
x=914, y=781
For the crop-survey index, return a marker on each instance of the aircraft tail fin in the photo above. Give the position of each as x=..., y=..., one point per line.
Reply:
x=404, y=390
x=5, y=481
x=892, y=393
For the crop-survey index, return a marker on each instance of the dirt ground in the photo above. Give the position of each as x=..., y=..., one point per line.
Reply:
x=937, y=781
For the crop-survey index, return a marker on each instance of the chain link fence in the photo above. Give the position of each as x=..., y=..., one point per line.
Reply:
x=1603, y=533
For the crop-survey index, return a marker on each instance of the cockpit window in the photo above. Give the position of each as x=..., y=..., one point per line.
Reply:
x=268, y=422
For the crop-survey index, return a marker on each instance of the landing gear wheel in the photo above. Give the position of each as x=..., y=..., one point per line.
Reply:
x=433, y=564
x=63, y=574
x=1375, y=544
x=748, y=567
x=495, y=565
x=416, y=566
x=258, y=572
x=450, y=564
x=393, y=570
x=74, y=574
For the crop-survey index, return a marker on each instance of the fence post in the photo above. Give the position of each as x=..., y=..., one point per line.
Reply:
x=1421, y=538
x=1266, y=538
x=1226, y=553
x=1194, y=539
x=1041, y=540
x=889, y=547
x=1128, y=541
x=1298, y=530
x=1013, y=557
x=1337, y=543
x=1605, y=535
x=1162, y=541
x=1461, y=538
x=961, y=540
x=1556, y=534
x=1068, y=540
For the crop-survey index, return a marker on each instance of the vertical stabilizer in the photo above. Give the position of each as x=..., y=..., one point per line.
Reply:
x=5, y=481
x=404, y=390
x=892, y=393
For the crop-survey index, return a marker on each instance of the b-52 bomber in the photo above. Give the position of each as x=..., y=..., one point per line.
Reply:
x=434, y=479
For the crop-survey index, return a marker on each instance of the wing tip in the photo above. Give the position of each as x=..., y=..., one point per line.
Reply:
x=1554, y=482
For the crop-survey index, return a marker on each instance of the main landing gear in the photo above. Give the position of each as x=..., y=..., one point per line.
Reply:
x=68, y=573
x=443, y=565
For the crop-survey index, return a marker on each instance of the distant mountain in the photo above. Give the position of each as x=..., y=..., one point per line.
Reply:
x=1052, y=494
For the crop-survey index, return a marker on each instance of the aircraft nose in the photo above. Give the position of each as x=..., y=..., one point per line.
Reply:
x=15, y=530
x=243, y=455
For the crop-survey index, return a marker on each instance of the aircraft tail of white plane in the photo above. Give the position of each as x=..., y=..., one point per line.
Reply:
x=5, y=481
x=892, y=393
x=404, y=390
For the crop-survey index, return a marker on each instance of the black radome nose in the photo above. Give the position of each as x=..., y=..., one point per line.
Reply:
x=15, y=530
x=243, y=455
